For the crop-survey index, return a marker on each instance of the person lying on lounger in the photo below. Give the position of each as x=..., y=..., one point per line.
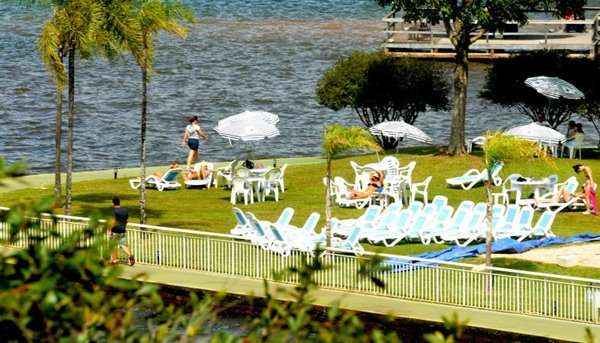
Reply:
x=174, y=165
x=199, y=172
x=375, y=186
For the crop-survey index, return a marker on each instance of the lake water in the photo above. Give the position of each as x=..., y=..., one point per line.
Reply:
x=242, y=55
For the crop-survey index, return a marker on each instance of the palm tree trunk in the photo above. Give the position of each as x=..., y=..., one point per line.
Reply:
x=58, y=147
x=70, y=127
x=489, y=237
x=143, y=124
x=328, y=203
x=456, y=145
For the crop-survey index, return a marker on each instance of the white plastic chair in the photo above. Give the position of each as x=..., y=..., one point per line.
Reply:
x=420, y=188
x=342, y=195
x=553, y=199
x=239, y=186
x=272, y=185
x=281, y=180
x=225, y=173
x=573, y=145
x=503, y=197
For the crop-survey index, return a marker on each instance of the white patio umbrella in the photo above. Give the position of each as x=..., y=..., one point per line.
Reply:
x=554, y=87
x=246, y=130
x=251, y=116
x=400, y=129
x=538, y=133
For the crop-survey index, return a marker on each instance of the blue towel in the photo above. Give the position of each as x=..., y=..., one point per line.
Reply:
x=505, y=245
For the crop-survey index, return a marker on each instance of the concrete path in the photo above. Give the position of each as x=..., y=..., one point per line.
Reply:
x=44, y=181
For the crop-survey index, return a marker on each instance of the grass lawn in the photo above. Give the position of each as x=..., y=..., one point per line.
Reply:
x=210, y=209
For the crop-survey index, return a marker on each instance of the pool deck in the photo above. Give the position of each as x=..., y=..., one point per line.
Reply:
x=45, y=181
x=527, y=325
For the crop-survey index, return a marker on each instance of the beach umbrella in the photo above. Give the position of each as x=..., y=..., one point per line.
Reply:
x=246, y=130
x=538, y=133
x=249, y=117
x=554, y=87
x=400, y=129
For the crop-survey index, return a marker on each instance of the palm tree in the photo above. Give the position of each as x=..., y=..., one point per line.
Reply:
x=154, y=16
x=52, y=53
x=338, y=140
x=73, y=29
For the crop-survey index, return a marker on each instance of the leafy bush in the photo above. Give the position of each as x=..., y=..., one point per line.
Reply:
x=505, y=84
x=381, y=88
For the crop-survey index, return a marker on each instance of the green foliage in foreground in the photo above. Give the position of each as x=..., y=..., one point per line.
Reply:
x=210, y=210
x=70, y=293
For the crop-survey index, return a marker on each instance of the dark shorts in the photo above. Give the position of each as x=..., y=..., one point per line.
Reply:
x=193, y=144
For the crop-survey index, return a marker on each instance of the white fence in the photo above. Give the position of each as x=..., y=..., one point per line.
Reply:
x=494, y=289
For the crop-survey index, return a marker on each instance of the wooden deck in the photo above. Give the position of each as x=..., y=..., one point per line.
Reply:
x=427, y=41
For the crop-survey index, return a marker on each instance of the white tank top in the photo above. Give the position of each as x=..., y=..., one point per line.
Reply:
x=192, y=130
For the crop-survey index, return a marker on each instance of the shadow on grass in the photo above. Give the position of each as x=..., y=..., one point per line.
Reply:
x=418, y=150
x=106, y=212
x=101, y=197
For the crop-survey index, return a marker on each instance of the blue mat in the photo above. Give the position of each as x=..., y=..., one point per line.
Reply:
x=505, y=245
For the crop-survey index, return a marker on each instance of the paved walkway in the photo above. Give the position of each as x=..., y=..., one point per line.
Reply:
x=527, y=325
x=44, y=181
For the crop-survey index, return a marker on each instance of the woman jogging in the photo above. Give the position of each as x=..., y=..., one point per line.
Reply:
x=191, y=137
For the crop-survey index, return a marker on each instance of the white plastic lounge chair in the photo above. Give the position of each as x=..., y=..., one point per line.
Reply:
x=387, y=227
x=474, y=177
x=367, y=219
x=472, y=230
x=543, y=226
x=418, y=223
x=260, y=235
x=342, y=195
x=280, y=243
x=405, y=173
x=420, y=188
x=167, y=181
x=285, y=218
x=457, y=224
x=239, y=186
x=415, y=207
x=439, y=201
x=351, y=243
x=243, y=227
x=434, y=227
x=553, y=200
x=520, y=228
x=505, y=225
x=397, y=232
x=387, y=218
x=206, y=182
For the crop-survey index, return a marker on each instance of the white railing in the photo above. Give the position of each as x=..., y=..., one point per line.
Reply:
x=457, y=284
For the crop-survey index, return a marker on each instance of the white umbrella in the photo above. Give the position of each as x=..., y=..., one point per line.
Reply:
x=249, y=117
x=554, y=87
x=538, y=133
x=246, y=130
x=400, y=129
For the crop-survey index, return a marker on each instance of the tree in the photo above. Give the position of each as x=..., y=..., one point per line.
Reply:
x=505, y=85
x=500, y=148
x=336, y=141
x=153, y=16
x=381, y=88
x=465, y=21
x=52, y=52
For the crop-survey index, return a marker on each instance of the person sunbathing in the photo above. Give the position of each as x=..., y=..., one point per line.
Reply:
x=174, y=165
x=199, y=172
x=375, y=186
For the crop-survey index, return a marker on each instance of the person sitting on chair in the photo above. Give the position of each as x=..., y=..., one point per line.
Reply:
x=375, y=186
x=200, y=172
x=589, y=189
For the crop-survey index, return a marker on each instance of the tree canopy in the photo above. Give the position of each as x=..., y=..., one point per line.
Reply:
x=381, y=88
x=505, y=85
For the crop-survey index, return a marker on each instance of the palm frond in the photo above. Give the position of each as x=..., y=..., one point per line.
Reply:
x=51, y=53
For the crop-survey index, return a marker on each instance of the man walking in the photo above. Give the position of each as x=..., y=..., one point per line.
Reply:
x=117, y=230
